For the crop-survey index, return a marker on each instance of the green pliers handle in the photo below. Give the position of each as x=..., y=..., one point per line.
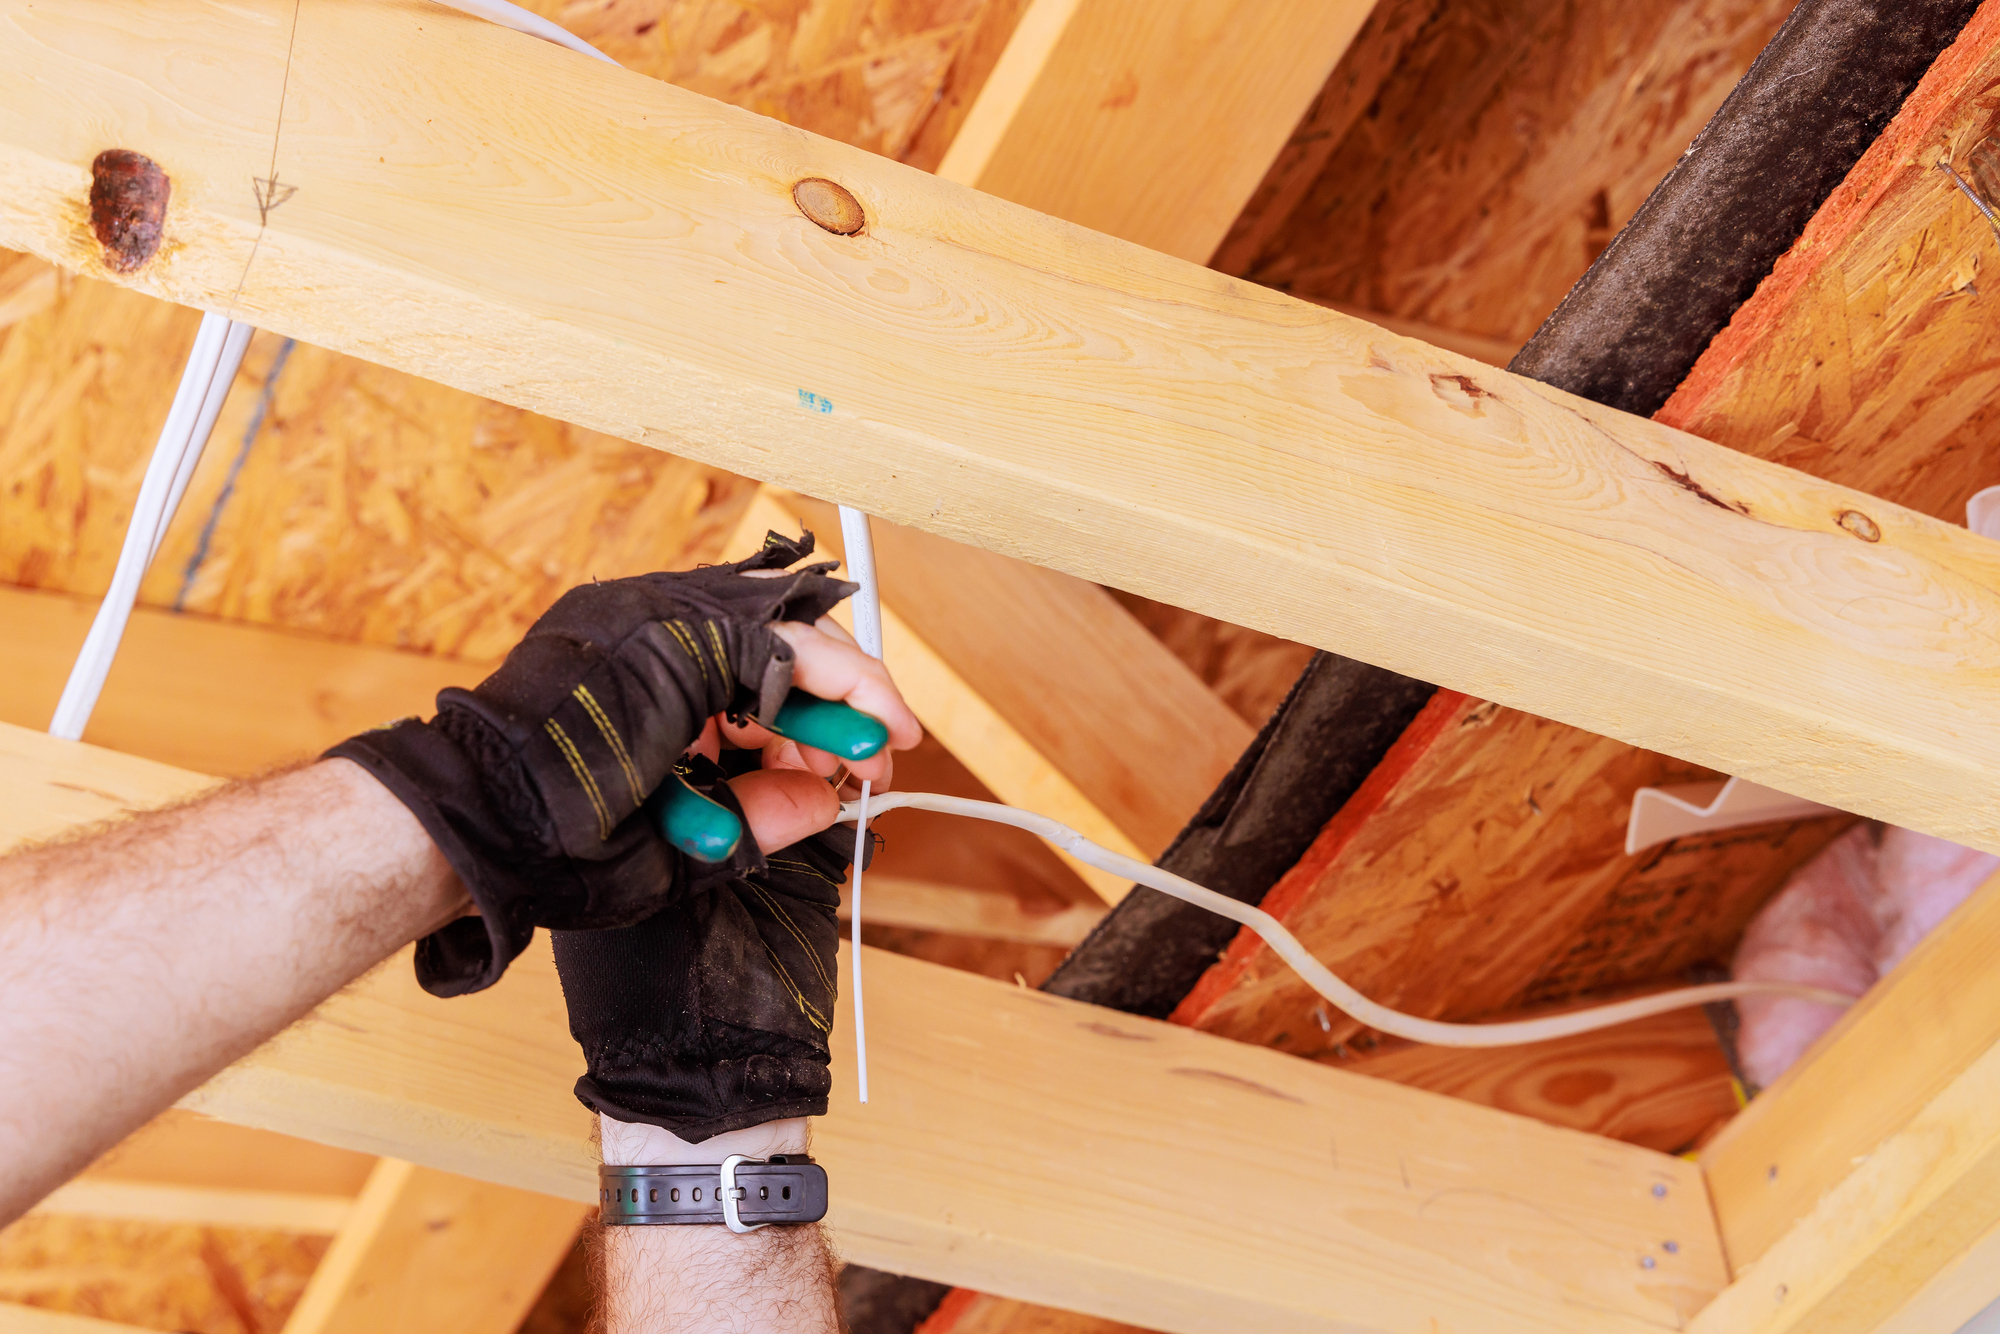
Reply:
x=708, y=831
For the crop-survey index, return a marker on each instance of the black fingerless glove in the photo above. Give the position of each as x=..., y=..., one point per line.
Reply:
x=713, y=1014
x=531, y=784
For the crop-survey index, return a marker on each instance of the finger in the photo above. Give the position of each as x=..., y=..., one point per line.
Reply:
x=826, y=625
x=749, y=736
x=709, y=743
x=782, y=754
x=826, y=667
x=783, y=806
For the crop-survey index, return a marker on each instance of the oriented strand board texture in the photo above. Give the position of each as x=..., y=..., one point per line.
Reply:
x=1509, y=140
x=336, y=497
x=162, y=1276
x=1870, y=355
x=874, y=73
x=1481, y=869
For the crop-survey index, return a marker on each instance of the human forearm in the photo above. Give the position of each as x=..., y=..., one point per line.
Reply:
x=705, y=1279
x=143, y=960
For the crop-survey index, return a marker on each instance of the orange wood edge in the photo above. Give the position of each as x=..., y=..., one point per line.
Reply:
x=1897, y=150
x=1444, y=709
x=943, y=1320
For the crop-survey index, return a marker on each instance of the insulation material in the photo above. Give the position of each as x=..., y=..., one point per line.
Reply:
x=1846, y=919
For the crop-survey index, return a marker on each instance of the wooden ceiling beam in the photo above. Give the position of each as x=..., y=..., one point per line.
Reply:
x=1259, y=1222
x=627, y=255
x=428, y=1250
x=1148, y=123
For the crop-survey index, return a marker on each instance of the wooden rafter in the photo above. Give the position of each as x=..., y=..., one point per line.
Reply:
x=1149, y=125
x=1493, y=535
x=428, y=1250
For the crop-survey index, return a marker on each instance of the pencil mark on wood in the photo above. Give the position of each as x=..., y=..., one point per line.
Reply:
x=270, y=194
x=91, y=792
x=128, y=207
x=1106, y=1030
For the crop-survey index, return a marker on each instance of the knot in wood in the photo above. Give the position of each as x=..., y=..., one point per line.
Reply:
x=128, y=207
x=829, y=205
x=1863, y=527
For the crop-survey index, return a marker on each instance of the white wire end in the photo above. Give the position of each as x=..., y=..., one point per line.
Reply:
x=854, y=919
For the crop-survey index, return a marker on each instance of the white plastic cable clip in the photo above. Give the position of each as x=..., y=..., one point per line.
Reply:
x=731, y=1193
x=1661, y=813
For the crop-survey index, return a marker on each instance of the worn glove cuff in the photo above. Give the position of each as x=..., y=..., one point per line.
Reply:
x=427, y=769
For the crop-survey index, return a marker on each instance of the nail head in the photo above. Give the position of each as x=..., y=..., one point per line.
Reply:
x=128, y=207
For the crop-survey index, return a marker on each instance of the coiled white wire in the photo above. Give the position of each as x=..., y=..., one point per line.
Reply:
x=1316, y=974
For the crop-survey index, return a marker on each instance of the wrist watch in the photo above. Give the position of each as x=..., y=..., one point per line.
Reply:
x=741, y=1192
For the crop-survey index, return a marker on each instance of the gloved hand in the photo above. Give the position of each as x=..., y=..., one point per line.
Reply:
x=531, y=784
x=713, y=1014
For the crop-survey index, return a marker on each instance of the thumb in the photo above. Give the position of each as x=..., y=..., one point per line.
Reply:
x=783, y=806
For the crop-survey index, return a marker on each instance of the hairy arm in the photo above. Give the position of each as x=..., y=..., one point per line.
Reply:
x=707, y=1279
x=139, y=961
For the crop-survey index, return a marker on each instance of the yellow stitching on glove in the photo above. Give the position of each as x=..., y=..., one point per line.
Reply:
x=576, y=765
x=611, y=738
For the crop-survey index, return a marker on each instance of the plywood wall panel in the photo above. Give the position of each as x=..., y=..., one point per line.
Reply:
x=1507, y=143
x=1482, y=869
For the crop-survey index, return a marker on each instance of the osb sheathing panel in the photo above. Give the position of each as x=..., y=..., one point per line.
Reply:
x=1871, y=355
x=164, y=1276
x=873, y=73
x=1470, y=160
x=1481, y=869
x=368, y=505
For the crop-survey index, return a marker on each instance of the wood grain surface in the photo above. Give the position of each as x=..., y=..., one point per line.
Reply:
x=1700, y=601
x=1150, y=122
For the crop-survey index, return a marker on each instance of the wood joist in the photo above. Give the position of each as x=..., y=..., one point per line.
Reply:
x=1512, y=562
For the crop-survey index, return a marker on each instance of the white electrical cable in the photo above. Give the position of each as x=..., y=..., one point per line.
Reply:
x=211, y=368
x=860, y=547
x=520, y=20
x=1315, y=973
